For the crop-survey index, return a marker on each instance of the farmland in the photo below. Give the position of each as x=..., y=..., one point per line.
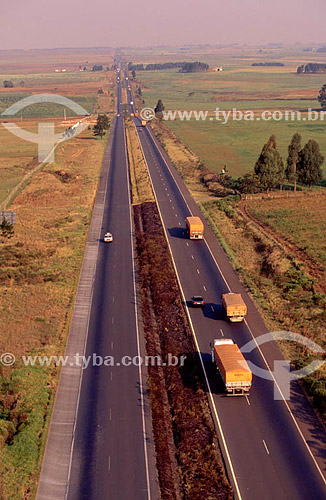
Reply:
x=237, y=144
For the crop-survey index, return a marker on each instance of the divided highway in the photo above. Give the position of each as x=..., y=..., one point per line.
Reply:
x=266, y=452
x=110, y=458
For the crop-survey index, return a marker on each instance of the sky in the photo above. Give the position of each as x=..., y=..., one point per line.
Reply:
x=27, y=24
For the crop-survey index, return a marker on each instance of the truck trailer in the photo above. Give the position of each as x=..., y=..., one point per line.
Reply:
x=232, y=367
x=234, y=307
x=194, y=228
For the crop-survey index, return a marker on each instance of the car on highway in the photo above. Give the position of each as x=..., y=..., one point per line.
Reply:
x=197, y=301
x=108, y=237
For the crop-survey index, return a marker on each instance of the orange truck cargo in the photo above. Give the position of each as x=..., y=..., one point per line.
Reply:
x=234, y=307
x=232, y=367
x=143, y=123
x=195, y=228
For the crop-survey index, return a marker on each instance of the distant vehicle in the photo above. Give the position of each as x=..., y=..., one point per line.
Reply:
x=118, y=114
x=194, y=228
x=131, y=102
x=108, y=237
x=143, y=123
x=232, y=367
x=234, y=307
x=132, y=115
x=126, y=78
x=197, y=301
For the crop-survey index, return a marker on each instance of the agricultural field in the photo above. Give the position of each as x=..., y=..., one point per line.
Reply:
x=18, y=157
x=237, y=144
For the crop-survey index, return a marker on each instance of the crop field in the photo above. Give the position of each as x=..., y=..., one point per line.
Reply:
x=237, y=143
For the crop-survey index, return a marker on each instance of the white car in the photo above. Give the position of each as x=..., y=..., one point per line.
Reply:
x=108, y=237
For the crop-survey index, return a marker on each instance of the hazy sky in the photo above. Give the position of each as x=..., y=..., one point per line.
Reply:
x=74, y=23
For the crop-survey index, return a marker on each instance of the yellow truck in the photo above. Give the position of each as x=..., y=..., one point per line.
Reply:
x=232, y=367
x=143, y=123
x=194, y=228
x=234, y=307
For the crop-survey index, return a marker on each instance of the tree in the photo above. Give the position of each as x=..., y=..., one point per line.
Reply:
x=7, y=229
x=292, y=159
x=159, y=108
x=8, y=84
x=309, y=165
x=101, y=125
x=322, y=96
x=133, y=74
x=269, y=167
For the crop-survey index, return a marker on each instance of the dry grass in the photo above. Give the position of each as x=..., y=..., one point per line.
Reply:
x=39, y=270
x=186, y=162
x=287, y=294
x=140, y=183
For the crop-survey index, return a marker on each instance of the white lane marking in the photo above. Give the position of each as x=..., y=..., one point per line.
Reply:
x=222, y=333
x=267, y=450
x=112, y=300
x=198, y=271
x=210, y=395
x=85, y=342
x=172, y=207
x=111, y=375
x=142, y=403
x=247, y=399
x=192, y=257
x=204, y=288
x=109, y=464
x=212, y=308
x=176, y=215
x=110, y=415
x=112, y=345
x=179, y=223
x=187, y=244
x=250, y=331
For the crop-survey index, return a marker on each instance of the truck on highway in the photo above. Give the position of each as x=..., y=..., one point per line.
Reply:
x=234, y=307
x=232, y=367
x=194, y=228
x=143, y=123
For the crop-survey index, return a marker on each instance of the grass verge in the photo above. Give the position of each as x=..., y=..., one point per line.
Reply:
x=39, y=269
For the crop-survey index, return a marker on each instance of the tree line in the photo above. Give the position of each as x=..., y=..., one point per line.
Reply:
x=312, y=68
x=184, y=67
x=267, y=64
x=303, y=164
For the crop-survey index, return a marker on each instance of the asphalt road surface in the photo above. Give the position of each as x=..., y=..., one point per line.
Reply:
x=109, y=458
x=266, y=450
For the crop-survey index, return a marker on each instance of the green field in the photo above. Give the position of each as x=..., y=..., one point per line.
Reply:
x=237, y=144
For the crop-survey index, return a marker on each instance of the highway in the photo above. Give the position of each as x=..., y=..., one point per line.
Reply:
x=273, y=449
x=110, y=455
